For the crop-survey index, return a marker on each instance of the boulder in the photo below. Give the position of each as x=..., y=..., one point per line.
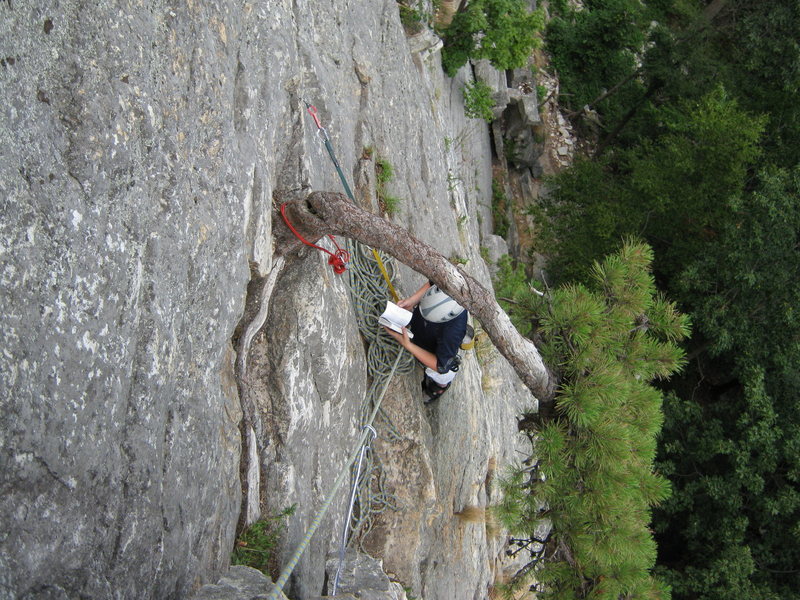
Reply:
x=239, y=583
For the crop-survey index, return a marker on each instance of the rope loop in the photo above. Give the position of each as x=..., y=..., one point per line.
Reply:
x=338, y=260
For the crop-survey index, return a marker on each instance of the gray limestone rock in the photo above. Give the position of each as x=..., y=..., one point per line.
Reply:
x=363, y=577
x=140, y=146
x=239, y=583
x=120, y=442
x=308, y=373
x=496, y=80
x=496, y=248
x=521, y=115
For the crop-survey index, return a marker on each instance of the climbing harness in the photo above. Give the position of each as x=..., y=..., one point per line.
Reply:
x=338, y=260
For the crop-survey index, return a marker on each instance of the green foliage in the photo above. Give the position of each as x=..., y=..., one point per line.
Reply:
x=585, y=214
x=731, y=446
x=502, y=31
x=673, y=190
x=756, y=43
x=745, y=284
x=510, y=150
x=594, y=480
x=687, y=177
x=662, y=51
x=391, y=204
x=384, y=173
x=478, y=101
x=257, y=543
x=736, y=490
x=409, y=592
x=700, y=158
x=592, y=49
x=513, y=290
x=499, y=206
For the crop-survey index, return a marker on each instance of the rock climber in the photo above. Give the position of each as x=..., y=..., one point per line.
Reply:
x=438, y=324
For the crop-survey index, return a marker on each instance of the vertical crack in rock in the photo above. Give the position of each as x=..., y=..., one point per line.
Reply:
x=241, y=100
x=255, y=315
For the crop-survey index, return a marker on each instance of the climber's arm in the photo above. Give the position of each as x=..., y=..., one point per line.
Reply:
x=428, y=359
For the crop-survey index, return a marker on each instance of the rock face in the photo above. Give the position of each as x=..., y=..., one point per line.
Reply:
x=363, y=577
x=123, y=257
x=140, y=146
x=240, y=583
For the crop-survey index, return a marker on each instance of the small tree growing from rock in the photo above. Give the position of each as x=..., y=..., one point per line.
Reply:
x=595, y=433
x=322, y=213
x=502, y=31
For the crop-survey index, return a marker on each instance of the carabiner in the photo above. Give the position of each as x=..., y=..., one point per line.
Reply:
x=312, y=110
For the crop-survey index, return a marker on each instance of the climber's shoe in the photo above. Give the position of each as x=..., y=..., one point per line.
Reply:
x=432, y=390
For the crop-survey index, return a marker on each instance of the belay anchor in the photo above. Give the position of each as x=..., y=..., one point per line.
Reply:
x=339, y=259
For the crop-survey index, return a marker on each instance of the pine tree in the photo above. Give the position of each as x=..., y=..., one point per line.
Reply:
x=594, y=480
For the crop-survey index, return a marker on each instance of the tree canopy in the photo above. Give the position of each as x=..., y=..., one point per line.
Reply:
x=592, y=475
x=698, y=155
x=502, y=31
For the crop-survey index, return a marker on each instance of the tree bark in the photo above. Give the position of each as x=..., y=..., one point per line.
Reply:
x=712, y=10
x=322, y=213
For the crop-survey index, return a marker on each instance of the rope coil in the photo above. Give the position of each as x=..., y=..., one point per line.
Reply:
x=369, y=285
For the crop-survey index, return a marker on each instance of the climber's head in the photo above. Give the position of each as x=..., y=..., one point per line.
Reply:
x=438, y=307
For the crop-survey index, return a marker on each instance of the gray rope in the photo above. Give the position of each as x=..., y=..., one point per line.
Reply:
x=345, y=529
x=287, y=570
x=368, y=293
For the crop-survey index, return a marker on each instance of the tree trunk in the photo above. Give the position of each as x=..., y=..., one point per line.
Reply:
x=322, y=213
x=712, y=10
x=606, y=141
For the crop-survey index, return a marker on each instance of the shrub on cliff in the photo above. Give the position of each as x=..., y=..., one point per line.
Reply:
x=502, y=31
x=478, y=101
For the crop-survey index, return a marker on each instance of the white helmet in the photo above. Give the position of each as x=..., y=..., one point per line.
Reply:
x=438, y=307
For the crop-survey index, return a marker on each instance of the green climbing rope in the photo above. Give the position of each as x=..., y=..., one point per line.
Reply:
x=370, y=284
x=368, y=294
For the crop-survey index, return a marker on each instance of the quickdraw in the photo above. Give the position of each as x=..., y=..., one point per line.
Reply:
x=339, y=259
x=312, y=110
